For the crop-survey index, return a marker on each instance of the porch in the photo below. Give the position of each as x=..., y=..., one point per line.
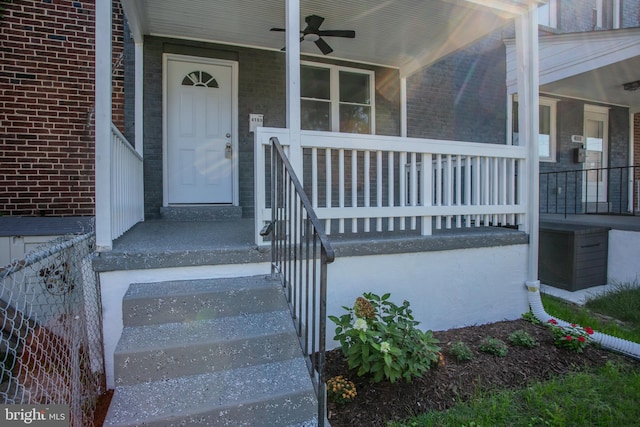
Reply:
x=162, y=243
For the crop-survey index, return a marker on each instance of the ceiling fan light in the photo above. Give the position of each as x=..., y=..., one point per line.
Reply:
x=311, y=37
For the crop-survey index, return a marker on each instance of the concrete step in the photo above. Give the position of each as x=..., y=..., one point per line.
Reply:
x=273, y=394
x=200, y=213
x=180, y=301
x=218, y=352
x=157, y=352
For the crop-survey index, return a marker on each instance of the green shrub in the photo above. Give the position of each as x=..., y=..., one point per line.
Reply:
x=380, y=339
x=494, y=346
x=522, y=338
x=461, y=351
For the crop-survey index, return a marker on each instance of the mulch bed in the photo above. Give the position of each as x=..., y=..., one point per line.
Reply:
x=443, y=386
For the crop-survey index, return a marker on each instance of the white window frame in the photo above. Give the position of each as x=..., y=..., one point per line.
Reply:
x=548, y=14
x=615, y=14
x=551, y=103
x=334, y=81
x=553, y=112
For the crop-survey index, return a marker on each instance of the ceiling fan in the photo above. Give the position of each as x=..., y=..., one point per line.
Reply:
x=312, y=33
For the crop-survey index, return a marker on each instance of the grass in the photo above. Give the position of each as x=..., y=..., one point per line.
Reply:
x=616, y=313
x=603, y=397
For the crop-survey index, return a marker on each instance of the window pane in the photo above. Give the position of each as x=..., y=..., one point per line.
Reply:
x=545, y=120
x=544, y=146
x=355, y=118
x=354, y=87
x=543, y=15
x=315, y=115
x=315, y=82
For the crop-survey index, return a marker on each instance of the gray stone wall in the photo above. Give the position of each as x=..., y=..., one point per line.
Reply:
x=262, y=90
x=462, y=97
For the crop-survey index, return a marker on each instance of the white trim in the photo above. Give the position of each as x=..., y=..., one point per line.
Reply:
x=103, y=117
x=166, y=57
x=334, y=78
x=598, y=109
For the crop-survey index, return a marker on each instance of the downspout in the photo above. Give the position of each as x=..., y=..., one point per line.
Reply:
x=619, y=345
x=527, y=33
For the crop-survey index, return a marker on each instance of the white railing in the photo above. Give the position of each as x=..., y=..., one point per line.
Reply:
x=127, y=192
x=367, y=183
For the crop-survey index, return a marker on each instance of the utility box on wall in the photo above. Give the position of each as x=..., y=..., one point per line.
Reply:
x=573, y=257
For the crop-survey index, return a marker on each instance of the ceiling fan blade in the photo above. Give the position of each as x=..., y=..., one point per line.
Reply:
x=338, y=33
x=323, y=46
x=313, y=23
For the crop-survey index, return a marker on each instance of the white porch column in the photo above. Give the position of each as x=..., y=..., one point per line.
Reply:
x=527, y=65
x=138, y=101
x=293, y=82
x=103, y=125
x=403, y=106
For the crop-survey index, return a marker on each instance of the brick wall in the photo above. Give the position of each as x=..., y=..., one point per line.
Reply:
x=46, y=106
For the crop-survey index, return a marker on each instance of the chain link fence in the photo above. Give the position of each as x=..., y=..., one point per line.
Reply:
x=51, y=342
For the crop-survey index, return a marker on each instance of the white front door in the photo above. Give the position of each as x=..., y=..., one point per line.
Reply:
x=199, y=132
x=596, y=135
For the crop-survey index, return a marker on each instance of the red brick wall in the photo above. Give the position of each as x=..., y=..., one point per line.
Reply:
x=47, y=107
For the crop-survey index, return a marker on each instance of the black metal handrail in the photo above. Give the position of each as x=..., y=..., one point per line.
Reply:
x=567, y=192
x=300, y=252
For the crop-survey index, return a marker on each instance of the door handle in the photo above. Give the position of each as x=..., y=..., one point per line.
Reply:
x=228, y=151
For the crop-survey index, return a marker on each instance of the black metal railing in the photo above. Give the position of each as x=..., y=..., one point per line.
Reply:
x=604, y=191
x=300, y=252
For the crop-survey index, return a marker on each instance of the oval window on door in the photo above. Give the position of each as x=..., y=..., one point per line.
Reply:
x=199, y=78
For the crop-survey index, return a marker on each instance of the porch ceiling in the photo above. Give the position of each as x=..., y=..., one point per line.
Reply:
x=406, y=34
x=592, y=66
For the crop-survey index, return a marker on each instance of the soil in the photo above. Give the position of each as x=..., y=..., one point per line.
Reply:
x=451, y=381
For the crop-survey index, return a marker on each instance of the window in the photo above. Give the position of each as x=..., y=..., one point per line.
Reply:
x=548, y=14
x=546, y=129
x=607, y=14
x=336, y=99
x=199, y=78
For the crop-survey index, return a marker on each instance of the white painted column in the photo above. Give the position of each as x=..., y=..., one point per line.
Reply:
x=293, y=83
x=527, y=66
x=403, y=107
x=138, y=101
x=103, y=125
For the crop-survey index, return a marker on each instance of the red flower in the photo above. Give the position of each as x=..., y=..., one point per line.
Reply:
x=588, y=330
x=552, y=321
x=573, y=325
x=581, y=339
x=569, y=337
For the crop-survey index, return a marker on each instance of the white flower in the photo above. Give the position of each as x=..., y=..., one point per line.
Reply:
x=385, y=347
x=360, y=324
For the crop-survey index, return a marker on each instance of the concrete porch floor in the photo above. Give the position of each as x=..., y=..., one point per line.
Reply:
x=162, y=243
